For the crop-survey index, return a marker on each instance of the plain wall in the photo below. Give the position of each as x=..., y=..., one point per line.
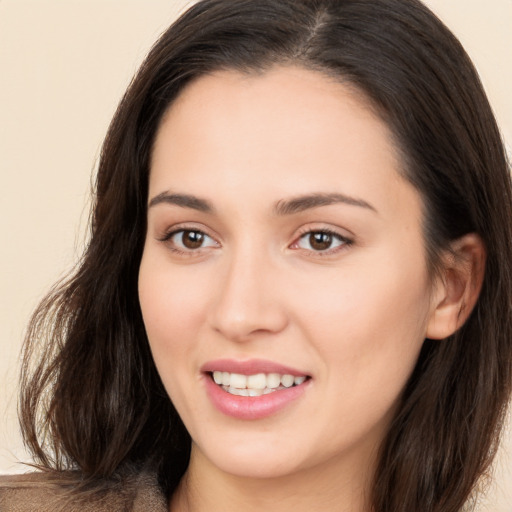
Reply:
x=64, y=65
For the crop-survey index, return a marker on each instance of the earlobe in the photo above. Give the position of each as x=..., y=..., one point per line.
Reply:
x=457, y=289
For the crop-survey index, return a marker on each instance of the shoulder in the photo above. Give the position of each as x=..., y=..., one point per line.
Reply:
x=54, y=492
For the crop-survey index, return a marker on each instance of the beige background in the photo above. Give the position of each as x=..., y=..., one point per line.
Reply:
x=63, y=67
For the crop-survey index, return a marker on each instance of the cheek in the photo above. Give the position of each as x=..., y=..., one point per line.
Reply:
x=367, y=330
x=173, y=307
x=368, y=325
x=172, y=304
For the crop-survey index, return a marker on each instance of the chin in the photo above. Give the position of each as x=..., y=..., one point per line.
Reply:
x=251, y=459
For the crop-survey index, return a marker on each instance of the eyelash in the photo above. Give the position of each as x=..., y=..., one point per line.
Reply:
x=167, y=238
x=345, y=242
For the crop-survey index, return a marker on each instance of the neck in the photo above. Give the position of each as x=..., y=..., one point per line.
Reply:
x=340, y=486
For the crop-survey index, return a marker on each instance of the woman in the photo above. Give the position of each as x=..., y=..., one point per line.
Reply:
x=297, y=289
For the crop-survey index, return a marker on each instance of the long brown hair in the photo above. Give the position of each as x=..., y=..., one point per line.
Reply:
x=421, y=82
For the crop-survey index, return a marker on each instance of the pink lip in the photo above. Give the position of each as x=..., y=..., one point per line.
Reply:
x=250, y=408
x=249, y=367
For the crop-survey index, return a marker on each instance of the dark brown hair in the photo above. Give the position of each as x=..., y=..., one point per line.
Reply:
x=92, y=399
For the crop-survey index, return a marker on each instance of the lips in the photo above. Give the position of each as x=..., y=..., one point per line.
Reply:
x=249, y=367
x=252, y=389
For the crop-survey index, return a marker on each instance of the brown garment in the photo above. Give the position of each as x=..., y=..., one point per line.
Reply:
x=49, y=492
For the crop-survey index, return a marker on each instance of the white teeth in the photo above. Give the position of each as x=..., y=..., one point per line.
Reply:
x=258, y=381
x=273, y=380
x=287, y=380
x=238, y=381
x=239, y=392
x=247, y=392
x=257, y=384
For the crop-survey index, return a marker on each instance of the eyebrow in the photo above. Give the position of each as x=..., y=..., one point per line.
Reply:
x=282, y=207
x=183, y=200
x=302, y=203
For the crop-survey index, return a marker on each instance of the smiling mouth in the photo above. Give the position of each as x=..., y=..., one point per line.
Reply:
x=257, y=384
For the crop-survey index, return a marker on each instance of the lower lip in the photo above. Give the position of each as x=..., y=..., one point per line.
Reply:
x=252, y=408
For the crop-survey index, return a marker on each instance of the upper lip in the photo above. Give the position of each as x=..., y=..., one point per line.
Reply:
x=250, y=367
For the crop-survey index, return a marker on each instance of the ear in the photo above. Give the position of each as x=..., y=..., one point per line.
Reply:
x=458, y=287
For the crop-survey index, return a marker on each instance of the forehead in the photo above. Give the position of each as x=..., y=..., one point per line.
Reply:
x=290, y=129
x=279, y=97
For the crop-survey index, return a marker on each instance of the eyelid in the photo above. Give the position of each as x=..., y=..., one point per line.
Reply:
x=347, y=241
x=166, y=232
x=170, y=232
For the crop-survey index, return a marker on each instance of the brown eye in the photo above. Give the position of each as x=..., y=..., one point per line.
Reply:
x=192, y=239
x=320, y=241
x=185, y=240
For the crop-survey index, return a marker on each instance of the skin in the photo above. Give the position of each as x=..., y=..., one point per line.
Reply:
x=352, y=317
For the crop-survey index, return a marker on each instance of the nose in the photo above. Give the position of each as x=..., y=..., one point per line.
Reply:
x=248, y=302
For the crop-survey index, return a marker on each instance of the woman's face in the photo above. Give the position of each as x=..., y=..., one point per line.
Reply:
x=284, y=258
